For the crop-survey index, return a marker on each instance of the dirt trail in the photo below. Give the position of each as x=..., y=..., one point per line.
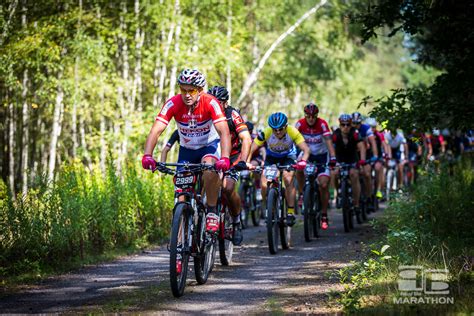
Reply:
x=294, y=280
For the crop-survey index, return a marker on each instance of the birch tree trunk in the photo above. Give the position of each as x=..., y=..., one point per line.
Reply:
x=11, y=147
x=137, y=82
x=25, y=119
x=229, y=45
x=82, y=130
x=164, y=67
x=174, y=69
x=252, y=77
x=26, y=135
x=56, y=128
x=125, y=100
x=6, y=25
x=74, y=109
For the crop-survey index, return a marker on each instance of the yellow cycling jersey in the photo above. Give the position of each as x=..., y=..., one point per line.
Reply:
x=280, y=147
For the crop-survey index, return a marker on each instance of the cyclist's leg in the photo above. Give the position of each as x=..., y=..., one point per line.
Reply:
x=367, y=174
x=379, y=176
x=355, y=184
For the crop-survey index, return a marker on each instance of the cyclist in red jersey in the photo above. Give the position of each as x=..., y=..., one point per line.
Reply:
x=317, y=135
x=201, y=122
x=241, y=141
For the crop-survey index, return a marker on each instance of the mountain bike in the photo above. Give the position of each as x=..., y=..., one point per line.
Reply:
x=188, y=230
x=277, y=208
x=248, y=195
x=346, y=196
x=311, y=202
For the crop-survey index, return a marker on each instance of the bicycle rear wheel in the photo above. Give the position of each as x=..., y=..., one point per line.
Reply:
x=346, y=208
x=316, y=215
x=204, y=260
x=246, y=205
x=256, y=209
x=272, y=220
x=179, y=249
x=226, y=247
x=285, y=230
x=308, y=204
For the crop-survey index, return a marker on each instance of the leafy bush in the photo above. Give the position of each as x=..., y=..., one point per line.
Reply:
x=83, y=212
x=432, y=227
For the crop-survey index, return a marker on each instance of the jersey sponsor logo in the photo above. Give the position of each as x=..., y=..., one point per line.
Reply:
x=216, y=106
x=166, y=107
x=192, y=123
x=237, y=118
x=324, y=127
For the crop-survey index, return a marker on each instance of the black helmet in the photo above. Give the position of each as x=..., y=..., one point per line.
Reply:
x=220, y=93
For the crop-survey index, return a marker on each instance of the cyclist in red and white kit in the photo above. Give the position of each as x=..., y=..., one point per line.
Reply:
x=201, y=122
x=317, y=135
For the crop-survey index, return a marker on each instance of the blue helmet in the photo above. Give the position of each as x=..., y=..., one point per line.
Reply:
x=277, y=120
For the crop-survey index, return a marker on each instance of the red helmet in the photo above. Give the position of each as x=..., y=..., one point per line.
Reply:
x=311, y=109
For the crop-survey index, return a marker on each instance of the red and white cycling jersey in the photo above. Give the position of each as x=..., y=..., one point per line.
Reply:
x=313, y=135
x=196, y=129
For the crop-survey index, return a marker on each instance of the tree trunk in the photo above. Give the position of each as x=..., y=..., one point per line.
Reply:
x=82, y=129
x=174, y=69
x=56, y=129
x=25, y=121
x=6, y=25
x=137, y=82
x=125, y=100
x=26, y=135
x=11, y=147
x=75, y=144
x=229, y=45
x=166, y=51
x=252, y=77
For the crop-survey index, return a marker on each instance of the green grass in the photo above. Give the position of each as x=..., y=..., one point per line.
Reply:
x=430, y=227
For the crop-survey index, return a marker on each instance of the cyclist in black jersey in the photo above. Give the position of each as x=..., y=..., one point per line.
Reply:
x=349, y=145
x=173, y=139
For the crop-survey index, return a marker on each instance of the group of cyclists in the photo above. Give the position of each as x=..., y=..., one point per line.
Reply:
x=211, y=131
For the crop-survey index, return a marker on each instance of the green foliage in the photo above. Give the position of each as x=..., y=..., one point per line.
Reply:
x=432, y=228
x=84, y=213
x=440, y=35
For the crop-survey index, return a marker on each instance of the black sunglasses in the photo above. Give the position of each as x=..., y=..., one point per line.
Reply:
x=345, y=125
x=279, y=129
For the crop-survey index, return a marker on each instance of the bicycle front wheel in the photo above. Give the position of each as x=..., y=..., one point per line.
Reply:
x=308, y=204
x=346, y=208
x=272, y=220
x=179, y=249
x=204, y=260
x=226, y=247
x=285, y=230
x=246, y=205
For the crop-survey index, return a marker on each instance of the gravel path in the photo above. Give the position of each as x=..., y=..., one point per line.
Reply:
x=294, y=280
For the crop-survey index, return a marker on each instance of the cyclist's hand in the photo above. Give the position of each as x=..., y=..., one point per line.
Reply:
x=361, y=162
x=300, y=165
x=223, y=164
x=332, y=162
x=241, y=165
x=148, y=162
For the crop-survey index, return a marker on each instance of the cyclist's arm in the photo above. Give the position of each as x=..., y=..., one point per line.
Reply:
x=223, y=131
x=330, y=145
x=253, y=147
x=306, y=152
x=246, y=140
x=155, y=132
x=164, y=153
x=362, y=149
x=373, y=145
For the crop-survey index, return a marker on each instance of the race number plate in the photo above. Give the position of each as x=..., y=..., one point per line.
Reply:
x=184, y=180
x=310, y=169
x=271, y=172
